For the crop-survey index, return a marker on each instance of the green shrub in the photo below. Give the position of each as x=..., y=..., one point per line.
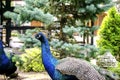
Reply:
x=109, y=33
x=116, y=69
x=15, y=33
x=31, y=60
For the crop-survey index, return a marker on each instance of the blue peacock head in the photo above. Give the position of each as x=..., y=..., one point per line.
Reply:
x=40, y=36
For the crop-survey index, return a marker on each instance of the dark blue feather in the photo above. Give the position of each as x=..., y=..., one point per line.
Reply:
x=7, y=67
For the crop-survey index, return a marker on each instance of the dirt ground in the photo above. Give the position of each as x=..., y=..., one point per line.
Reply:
x=30, y=76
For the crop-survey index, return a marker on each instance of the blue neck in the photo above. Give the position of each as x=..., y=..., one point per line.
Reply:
x=48, y=60
x=4, y=61
x=1, y=45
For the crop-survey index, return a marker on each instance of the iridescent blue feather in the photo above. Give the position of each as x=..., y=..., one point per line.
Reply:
x=50, y=62
x=7, y=67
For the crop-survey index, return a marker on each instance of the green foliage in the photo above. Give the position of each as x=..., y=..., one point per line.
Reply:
x=79, y=8
x=14, y=33
x=37, y=3
x=13, y=16
x=81, y=29
x=29, y=40
x=116, y=69
x=33, y=10
x=31, y=60
x=75, y=50
x=74, y=16
x=109, y=33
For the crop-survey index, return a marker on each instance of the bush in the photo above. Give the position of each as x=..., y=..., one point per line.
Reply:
x=15, y=33
x=116, y=69
x=31, y=60
x=109, y=33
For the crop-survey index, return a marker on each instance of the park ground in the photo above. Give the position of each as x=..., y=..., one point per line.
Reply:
x=30, y=76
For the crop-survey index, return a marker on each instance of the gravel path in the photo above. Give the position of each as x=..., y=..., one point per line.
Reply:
x=30, y=76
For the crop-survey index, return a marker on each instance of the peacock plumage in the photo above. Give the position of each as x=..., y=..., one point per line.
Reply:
x=7, y=67
x=67, y=68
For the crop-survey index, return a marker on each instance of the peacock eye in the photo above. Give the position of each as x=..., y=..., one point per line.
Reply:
x=38, y=36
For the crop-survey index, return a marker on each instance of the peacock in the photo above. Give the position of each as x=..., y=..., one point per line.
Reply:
x=67, y=68
x=7, y=67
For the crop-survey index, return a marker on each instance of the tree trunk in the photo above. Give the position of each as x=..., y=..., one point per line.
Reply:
x=92, y=37
x=62, y=24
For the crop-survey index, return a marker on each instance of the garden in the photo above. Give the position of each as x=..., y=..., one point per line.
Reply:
x=73, y=28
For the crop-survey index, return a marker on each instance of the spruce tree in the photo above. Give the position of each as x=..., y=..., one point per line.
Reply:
x=70, y=11
x=32, y=10
x=76, y=16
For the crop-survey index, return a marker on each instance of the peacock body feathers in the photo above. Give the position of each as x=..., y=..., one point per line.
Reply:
x=80, y=68
x=7, y=67
x=67, y=68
